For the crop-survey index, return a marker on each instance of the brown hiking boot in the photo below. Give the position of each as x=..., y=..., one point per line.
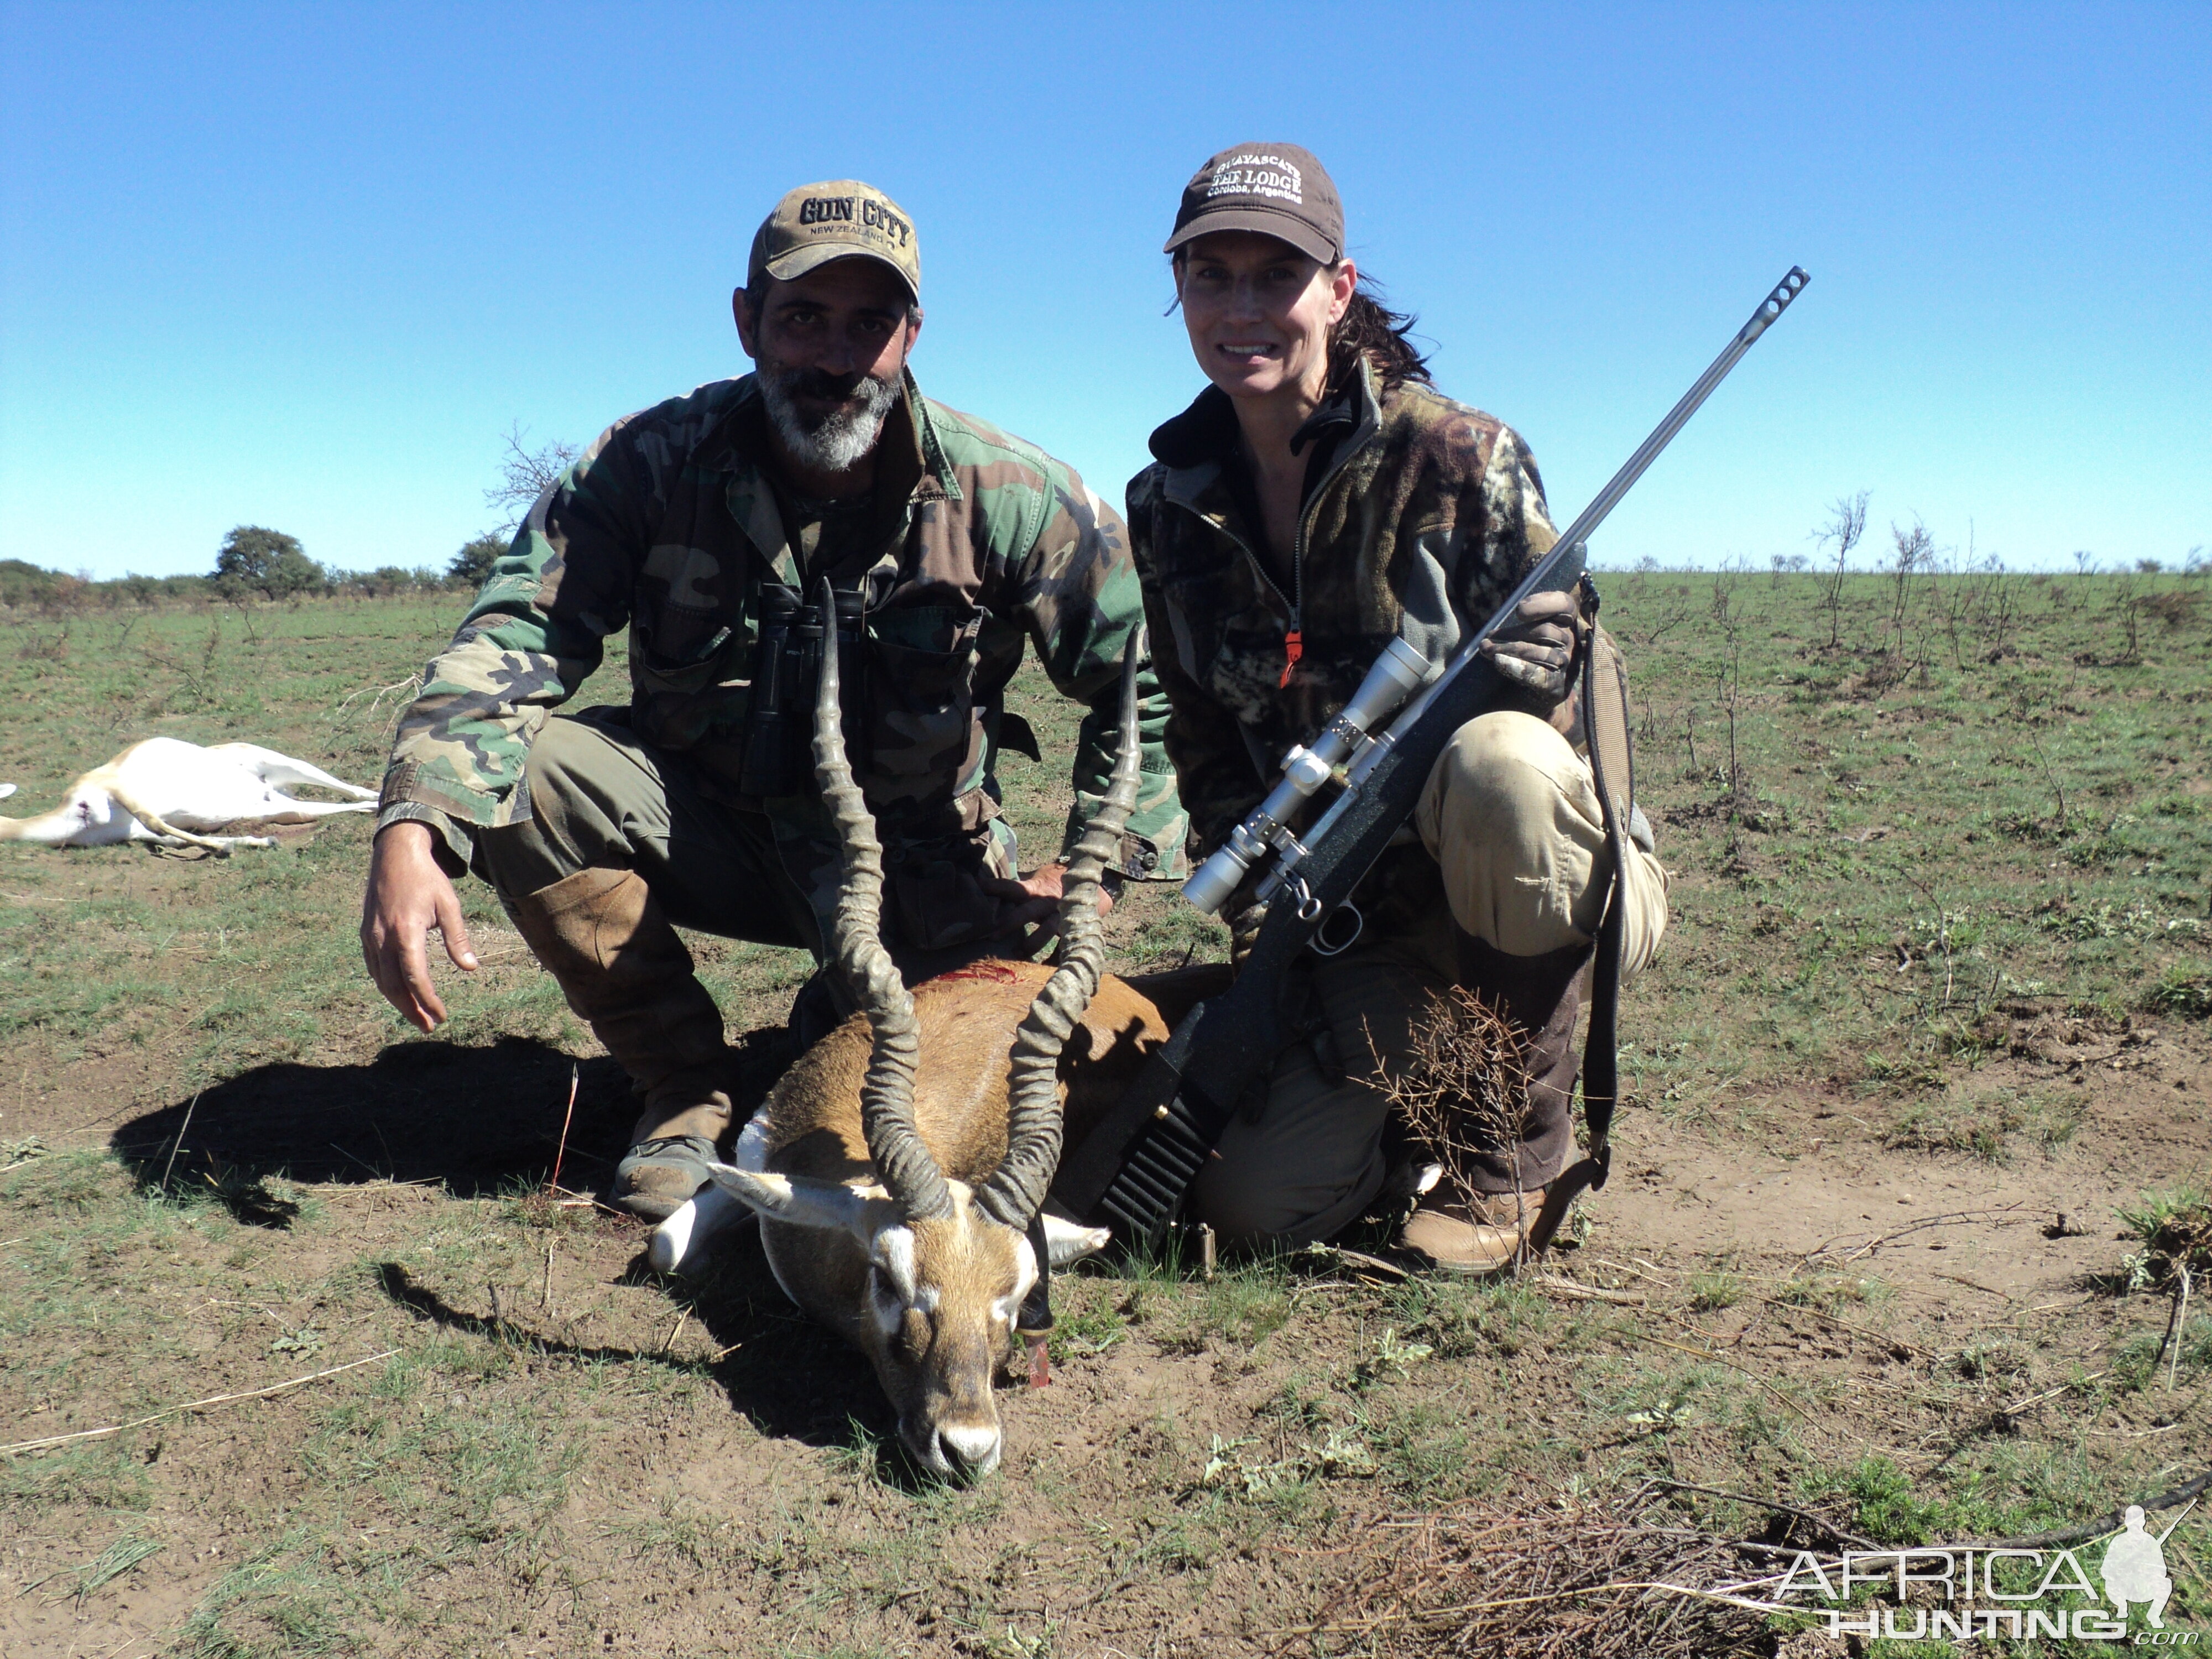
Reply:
x=1486, y=1234
x=1524, y=1139
x=602, y=935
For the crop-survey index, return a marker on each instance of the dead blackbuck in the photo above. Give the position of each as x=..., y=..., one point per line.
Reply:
x=899, y=1167
x=172, y=793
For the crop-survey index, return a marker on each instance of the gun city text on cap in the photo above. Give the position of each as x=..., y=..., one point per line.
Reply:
x=841, y=219
x=1277, y=190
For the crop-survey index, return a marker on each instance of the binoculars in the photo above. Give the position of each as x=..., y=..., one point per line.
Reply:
x=779, y=758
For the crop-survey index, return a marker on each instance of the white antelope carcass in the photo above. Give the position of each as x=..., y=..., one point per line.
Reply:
x=898, y=1167
x=171, y=793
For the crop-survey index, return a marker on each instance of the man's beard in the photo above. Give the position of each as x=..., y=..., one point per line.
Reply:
x=834, y=441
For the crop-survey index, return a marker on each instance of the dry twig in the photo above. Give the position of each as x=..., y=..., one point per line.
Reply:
x=193, y=1405
x=2006, y=1212
x=1824, y=1524
x=1462, y=1091
x=575, y=1076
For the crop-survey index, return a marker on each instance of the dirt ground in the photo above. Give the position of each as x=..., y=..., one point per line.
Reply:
x=1929, y=1027
x=697, y=1517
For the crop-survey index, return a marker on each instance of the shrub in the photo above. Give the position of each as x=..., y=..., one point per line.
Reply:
x=256, y=560
x=2185, y=991
x=22, y=583
x=473, y=563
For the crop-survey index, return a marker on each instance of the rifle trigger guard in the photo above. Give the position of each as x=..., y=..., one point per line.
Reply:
x=1323, y=947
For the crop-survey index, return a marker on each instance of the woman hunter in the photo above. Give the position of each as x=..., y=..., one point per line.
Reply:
x=1317, y=500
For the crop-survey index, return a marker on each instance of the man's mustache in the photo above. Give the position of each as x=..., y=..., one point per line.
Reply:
x=820, y=385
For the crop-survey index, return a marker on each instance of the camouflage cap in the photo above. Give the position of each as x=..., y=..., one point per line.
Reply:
x=1277, y=190
x=835, y=220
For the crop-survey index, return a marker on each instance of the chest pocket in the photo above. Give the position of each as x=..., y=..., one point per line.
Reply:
x=1229, y=634
x=921, y=696
x=927, y=655
x=689, y=603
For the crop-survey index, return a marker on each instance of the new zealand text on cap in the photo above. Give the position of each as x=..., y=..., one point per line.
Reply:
x=839, y=219
x=1277, y=190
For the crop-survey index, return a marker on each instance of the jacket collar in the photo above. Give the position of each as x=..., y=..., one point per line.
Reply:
x=1194, y=445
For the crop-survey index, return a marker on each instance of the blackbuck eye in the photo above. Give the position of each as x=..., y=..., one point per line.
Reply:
x=888, y=1305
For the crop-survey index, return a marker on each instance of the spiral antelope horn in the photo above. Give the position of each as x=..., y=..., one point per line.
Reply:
x=1034, y=1123
x=904, y=1164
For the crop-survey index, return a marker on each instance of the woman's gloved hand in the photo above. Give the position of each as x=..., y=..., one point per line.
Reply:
x=1535, y=648
x=1245, y=919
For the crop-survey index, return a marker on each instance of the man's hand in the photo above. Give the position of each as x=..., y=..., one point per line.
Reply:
x=407, y=894
x=1536, y=646
x=1034, y=899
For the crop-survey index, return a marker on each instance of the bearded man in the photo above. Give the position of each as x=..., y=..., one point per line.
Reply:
x=706, y=524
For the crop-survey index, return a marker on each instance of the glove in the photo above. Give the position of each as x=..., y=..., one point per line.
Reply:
x=1245, y=919
x=1535, y=648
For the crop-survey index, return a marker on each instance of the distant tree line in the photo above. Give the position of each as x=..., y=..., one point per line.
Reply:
x=256, y=564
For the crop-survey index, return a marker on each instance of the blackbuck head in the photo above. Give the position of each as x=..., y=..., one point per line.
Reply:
x=923, y=1257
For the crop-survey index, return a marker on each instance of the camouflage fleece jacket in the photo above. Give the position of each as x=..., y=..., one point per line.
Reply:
x=667, y=524
x=1421, y=516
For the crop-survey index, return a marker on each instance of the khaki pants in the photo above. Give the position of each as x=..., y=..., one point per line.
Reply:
x=601, y=800
x=1510, y=816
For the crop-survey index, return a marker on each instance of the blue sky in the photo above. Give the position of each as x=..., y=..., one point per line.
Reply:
x=302, y=265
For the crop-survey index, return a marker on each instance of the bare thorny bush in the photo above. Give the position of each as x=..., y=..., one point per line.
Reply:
x=390, y=702
x=1976, y=604
x=1463, y=1090
x=526, y=474
x=1846, y=524
x=1595, y=1580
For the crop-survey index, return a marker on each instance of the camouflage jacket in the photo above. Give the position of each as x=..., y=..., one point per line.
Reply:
x=667, y=524
x=1421, y=516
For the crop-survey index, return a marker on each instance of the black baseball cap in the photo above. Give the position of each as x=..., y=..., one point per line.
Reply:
x=1277, y=190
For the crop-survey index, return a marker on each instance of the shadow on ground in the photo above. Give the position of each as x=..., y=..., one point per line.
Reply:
x=480, y=1120
x=485, y=1122
x=791, y=1378
x=477, y=1119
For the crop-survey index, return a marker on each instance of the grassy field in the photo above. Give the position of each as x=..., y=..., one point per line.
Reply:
x=1942, y=942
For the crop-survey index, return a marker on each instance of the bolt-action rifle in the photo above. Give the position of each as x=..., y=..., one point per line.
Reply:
x=1133, y=1169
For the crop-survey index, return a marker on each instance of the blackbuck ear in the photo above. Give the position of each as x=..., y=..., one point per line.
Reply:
x=1066, y=1241
x=831, y=1206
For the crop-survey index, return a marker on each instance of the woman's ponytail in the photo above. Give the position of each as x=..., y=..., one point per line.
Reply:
x=1370, y=329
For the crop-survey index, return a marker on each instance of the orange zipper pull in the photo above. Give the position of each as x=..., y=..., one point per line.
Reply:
x=1294, y=647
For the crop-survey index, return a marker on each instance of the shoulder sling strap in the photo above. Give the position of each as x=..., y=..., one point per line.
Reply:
x=1612, y=758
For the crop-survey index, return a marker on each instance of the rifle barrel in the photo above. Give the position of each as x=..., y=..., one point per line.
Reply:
x=1576, y=533
x=1677, y=417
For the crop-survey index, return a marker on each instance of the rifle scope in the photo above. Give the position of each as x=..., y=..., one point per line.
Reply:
x=1399, y=672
